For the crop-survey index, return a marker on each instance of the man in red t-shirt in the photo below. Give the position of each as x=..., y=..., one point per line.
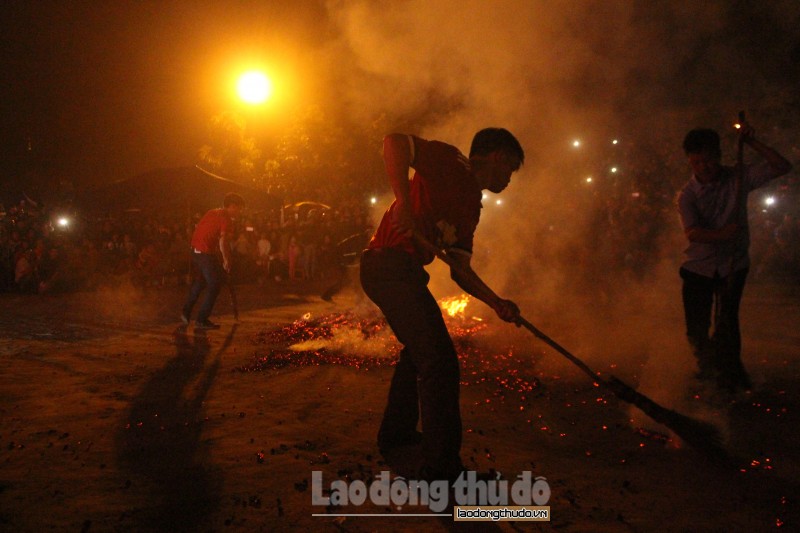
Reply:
x=442, y=204
x=211, y=239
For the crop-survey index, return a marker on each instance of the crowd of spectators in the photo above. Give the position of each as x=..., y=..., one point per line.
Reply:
x=45, y=250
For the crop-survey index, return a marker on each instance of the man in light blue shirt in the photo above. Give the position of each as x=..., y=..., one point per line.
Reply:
x=713, y=212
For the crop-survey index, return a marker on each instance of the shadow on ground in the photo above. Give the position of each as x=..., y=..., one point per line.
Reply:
x=161, y=447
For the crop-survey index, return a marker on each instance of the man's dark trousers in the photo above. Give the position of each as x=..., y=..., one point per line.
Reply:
x=211, y=277
x=720, y=355
x=426, y=378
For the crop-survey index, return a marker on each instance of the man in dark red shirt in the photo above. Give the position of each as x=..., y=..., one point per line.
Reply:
x=442, y=204
x=211, y=239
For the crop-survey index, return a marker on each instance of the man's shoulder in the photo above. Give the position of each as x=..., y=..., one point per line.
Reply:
x=435, y=147
x=438, y=157
x=217, y=213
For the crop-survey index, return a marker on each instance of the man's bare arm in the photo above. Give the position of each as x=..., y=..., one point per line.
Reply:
x=397, y=152
x=779, y=164
x=466, y=278
x=225, y=248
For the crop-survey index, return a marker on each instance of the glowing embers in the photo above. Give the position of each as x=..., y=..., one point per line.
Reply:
x=655, y=436
x=337, y=339
x=758, y=463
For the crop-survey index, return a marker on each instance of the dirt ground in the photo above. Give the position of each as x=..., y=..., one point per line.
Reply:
x=112, y=418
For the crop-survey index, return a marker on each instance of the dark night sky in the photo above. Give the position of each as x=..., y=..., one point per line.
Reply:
x=107, y=90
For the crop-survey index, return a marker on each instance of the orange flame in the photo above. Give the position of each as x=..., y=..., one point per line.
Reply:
x=455, y=306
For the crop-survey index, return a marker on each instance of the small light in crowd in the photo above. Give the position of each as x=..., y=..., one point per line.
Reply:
x=769, y=200
x=485, y=196
x=63, y=222
x=373, y=200
x=589, y=179
x=635, y=194
x=737, y=126
x=576, y=143
x=499, y=202
x=615, y=141
x=614, y=170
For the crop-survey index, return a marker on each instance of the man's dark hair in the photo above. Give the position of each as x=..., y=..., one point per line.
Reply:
x=489, y=140
x=702, y=140
x=233, y=199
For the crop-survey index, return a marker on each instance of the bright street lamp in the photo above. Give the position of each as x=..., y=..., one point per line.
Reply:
x=254, y=87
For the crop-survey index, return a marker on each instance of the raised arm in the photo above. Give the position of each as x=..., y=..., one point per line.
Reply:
x=398, y=157
x=779, y=164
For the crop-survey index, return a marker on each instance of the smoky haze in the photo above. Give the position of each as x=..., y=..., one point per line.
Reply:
x=642, y=73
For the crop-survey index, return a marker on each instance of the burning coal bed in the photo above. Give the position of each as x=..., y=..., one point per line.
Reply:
x=506, y=375
x=367, y=342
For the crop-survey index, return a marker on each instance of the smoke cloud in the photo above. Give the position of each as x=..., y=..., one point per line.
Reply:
x=640, y=73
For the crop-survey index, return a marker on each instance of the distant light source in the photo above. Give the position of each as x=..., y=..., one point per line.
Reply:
x=485, y=196
x=589, y=179
x=373, y=200
x=254, y=87
x=769, y=200
x=615, y=141
x=576, y=143
x=499, y=202
x=63, y=222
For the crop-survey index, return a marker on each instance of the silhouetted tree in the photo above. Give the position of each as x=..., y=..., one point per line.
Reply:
x=229, y=150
